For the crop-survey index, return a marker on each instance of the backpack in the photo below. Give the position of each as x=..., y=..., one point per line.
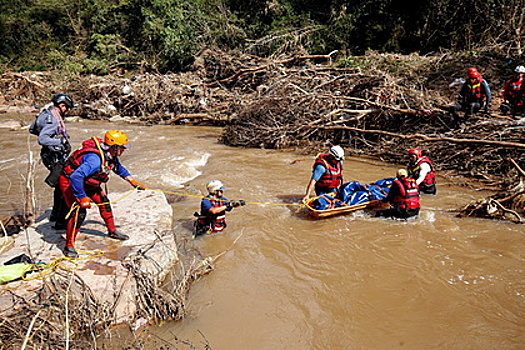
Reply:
x=35, y=128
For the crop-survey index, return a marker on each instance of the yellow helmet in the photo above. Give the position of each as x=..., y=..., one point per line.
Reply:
x=116, y=138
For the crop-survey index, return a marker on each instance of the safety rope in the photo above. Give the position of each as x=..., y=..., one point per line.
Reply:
x=222, y=200
x=46, y=270
x=42, y=271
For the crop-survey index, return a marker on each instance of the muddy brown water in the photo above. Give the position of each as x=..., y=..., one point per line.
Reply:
x=287, y=281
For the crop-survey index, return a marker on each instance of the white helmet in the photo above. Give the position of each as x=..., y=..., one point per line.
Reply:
x=337, y=152
x=519, y=70
x=215, y=185
x=401, y=173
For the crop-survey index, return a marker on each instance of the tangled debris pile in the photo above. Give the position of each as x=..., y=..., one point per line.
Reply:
x=505, y=205
x=66, y=315
x=378, y=104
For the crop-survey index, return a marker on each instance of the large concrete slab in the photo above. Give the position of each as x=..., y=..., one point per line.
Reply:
x=145, y=216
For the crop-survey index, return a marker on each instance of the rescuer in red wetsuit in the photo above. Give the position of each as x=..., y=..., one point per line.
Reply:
x=81, y=179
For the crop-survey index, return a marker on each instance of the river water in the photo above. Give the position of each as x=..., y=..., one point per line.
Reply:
x=287, y=281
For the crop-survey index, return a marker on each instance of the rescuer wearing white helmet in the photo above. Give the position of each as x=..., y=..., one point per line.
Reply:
x=214, y=206
x=513, y=95
x=327, y=173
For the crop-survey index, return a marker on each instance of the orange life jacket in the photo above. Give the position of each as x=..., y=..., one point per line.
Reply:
x=430, y=178
x=333, y=176
x=75, y=160
x=408, y=196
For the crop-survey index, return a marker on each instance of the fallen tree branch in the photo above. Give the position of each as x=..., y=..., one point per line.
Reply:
x=425, y=138
x=341, y=111
x=243, y=72
x=505, y=210
x=195, y=116
x=380, y=105
x=518, y=168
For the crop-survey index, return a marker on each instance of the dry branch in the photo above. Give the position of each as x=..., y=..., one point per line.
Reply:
x=425, y=138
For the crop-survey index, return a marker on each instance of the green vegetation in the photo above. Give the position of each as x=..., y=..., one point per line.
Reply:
x=99, y=36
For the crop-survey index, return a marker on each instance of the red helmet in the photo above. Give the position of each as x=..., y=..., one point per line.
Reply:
x=472, y=69
x=415, y=151
x=474, y=74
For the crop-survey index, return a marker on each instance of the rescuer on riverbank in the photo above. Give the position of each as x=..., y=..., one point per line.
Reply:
x=84, y=173
x=50, y=128
x=514, y=94
x=474, y=96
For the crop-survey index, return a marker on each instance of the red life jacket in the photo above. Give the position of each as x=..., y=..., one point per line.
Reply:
x=430, y=178
x=475, y=93
x=214, y=222
x=408, y=196
x=333, y=176
x=75, y=160
x=513, y=91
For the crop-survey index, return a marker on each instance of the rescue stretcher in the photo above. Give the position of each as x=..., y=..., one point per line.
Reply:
x=343, y=209
x=350, y=197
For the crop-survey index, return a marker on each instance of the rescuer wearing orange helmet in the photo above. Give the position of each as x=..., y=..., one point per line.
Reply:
x=421, y=169
x=473, y=96
x=81, y=179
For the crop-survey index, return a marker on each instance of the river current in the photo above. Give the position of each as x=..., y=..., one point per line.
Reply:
x=287, y=281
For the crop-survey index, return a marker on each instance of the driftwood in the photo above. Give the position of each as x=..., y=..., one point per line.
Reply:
x=196, y=117
x=29, y=197
x=66, y=315
x=502, y=205
x=425, y=138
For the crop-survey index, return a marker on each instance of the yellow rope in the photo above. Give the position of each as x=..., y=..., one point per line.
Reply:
x=202, y=197
x=47, y=270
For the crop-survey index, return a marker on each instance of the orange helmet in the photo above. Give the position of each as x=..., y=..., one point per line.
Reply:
x=116, y=138
x=416, y=151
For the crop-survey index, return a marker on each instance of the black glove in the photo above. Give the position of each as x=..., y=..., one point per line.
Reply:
x=235, y=204
x=67, y=146
x=242, y=203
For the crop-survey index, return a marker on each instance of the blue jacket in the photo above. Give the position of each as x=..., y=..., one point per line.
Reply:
x=50, y=135
x=91, y=163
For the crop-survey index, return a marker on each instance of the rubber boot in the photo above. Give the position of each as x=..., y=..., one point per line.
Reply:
x=70, y=252
x=118, y=235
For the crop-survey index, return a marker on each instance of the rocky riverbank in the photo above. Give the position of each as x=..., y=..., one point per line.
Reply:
x=112, y=282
